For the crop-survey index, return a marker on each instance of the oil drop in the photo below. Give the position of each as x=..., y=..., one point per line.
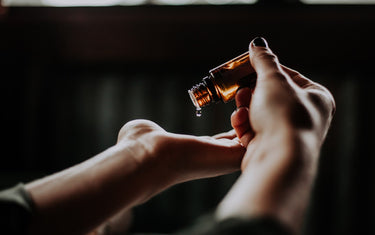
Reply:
x=198, y=111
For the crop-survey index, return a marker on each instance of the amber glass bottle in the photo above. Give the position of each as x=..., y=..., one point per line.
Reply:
x=223, y=82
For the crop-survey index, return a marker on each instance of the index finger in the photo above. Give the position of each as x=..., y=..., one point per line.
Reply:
x=243, y=97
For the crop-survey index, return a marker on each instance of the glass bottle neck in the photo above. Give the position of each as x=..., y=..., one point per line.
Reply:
x=203, y=93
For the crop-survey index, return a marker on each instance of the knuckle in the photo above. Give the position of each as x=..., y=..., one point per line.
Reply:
x=333, y=106
x=276, y=78
x=301, y=80
x=268, y=56
x=323, y=101
x=277, y=75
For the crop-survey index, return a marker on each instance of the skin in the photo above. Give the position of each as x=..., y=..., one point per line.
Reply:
x=145, y=161
x=279, y=128
x=282, y=123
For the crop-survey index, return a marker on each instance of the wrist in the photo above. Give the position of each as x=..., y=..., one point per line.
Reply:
x=148, y=154
x=276, y=180
x=288, y=142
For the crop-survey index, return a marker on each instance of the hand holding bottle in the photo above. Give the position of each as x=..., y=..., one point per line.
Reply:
x=282, y=101
x=282, y=122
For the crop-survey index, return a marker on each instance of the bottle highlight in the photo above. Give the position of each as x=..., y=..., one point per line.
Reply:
x=223, y=82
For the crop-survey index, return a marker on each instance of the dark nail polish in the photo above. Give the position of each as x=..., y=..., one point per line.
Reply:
x=259, y=42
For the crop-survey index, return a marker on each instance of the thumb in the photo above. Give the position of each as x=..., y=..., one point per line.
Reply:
x=274, y=92
x=273, y=83
x=263, y=60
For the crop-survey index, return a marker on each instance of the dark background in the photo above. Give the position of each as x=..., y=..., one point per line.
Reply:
x=71, y=77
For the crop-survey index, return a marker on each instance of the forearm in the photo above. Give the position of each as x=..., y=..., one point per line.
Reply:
x=78, y=199
x=277, y=182
x=145, y=161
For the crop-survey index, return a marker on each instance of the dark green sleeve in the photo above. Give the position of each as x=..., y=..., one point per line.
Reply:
x=254, y=226
x=15, y=210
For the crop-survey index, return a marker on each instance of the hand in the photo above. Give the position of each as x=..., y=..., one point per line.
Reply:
x=282, y=122
x=177, y=158
x=283, y=100
x=145, y=161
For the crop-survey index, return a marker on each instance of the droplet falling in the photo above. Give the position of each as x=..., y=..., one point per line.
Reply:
x=198, y=112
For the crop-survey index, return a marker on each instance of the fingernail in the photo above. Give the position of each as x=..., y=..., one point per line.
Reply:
x=259, y=42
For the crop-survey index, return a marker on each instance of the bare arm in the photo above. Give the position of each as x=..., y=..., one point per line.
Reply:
x=145, y=161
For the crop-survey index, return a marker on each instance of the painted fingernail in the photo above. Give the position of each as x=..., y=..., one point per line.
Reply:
x=259, y=42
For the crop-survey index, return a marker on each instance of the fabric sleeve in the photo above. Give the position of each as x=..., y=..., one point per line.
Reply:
x=16, y=208
x=207, y=225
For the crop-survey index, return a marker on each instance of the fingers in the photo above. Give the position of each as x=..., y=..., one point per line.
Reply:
x=226, y=135
x=263, y=60
x=243, y=97
x=241, y=124
x=201, y=157
x=240, y=118
x=282, y=89
x=273, y=85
